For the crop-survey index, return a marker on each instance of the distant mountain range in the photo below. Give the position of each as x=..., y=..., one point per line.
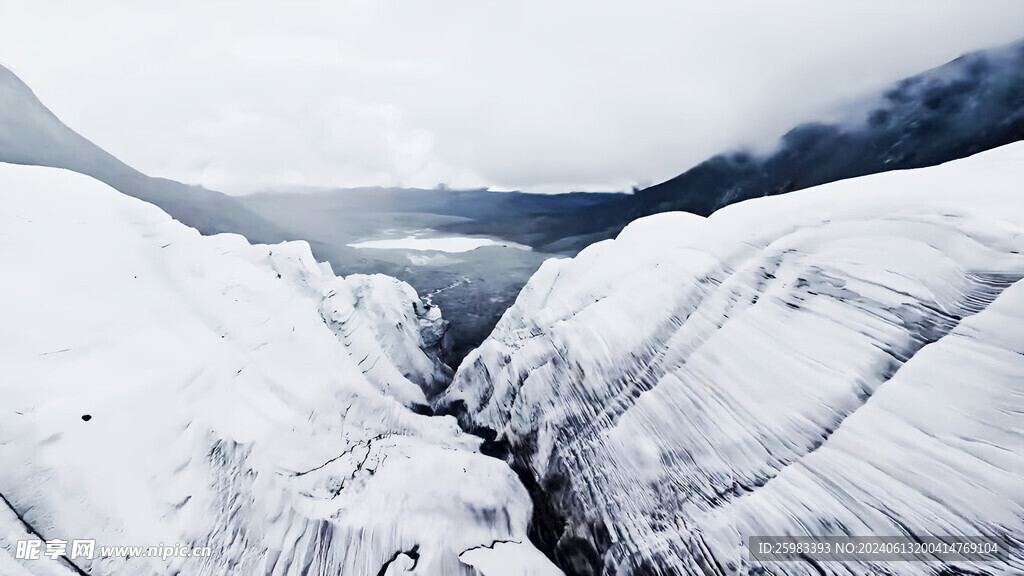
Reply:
x=966, y=106
x=971, y=104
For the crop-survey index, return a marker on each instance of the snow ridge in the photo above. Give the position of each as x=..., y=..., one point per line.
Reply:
x=765, y=371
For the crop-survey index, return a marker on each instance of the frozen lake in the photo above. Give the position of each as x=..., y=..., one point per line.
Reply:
x=451, y=244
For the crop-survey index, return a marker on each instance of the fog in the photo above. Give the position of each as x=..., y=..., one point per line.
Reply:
x=537, y=96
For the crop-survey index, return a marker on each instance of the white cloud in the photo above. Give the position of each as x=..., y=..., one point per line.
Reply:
x=533, y=95
x=289, y=49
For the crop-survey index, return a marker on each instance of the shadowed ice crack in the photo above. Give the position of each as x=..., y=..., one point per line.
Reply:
x=413, y=553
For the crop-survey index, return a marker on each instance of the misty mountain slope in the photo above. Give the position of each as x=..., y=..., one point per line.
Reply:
x=842, y=360
x=971, y=104
x=162, y=387
x=30, y=134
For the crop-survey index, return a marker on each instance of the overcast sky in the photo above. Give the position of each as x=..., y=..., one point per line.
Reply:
x=533, y=95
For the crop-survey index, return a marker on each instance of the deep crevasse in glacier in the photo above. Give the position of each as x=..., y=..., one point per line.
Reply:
x=239, y=397
x=841, y=360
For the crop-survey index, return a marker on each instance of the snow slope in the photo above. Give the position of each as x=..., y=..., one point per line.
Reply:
x=847, y=360
x=238, y=396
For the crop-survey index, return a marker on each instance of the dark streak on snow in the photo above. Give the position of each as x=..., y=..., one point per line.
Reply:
x=491, y=545
x=55, y=352
x=363, y=444
x=31, y=530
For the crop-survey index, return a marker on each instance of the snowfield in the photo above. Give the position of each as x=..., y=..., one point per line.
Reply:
x=160, y=387
x=844, y=360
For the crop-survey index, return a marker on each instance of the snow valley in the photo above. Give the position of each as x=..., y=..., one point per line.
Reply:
x=897, y=340
x=842, y=360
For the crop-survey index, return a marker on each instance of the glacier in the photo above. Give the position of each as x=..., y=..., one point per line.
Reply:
x=843, y=360
x=161, y=387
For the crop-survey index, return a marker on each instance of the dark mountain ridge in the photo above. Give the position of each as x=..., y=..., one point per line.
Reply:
x=969, y=105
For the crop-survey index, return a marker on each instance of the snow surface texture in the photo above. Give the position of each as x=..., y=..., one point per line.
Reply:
x=845, y=360
x=239, y=397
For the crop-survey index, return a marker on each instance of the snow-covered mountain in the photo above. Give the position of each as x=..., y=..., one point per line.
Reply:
x=30, y=134
x=160, y=387
x=845, y=360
